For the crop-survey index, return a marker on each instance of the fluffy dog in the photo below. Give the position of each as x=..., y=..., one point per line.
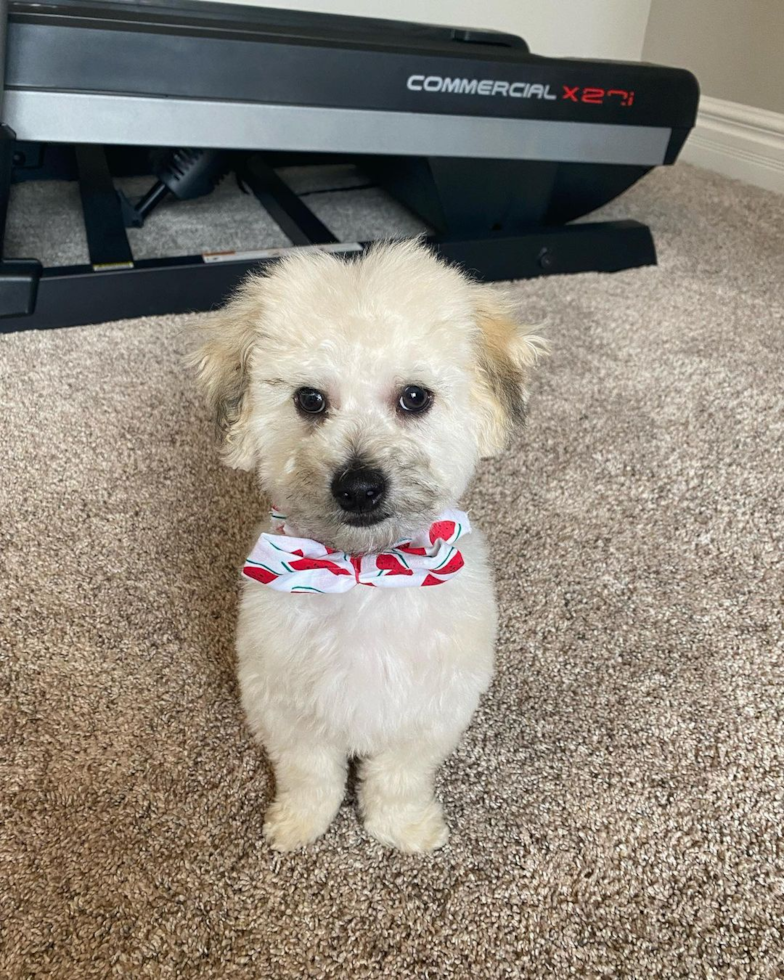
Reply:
x=363, y=392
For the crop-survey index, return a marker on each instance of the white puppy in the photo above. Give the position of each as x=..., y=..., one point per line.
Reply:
x=363, y=392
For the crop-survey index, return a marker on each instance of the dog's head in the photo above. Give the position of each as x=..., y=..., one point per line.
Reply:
x=364, y=391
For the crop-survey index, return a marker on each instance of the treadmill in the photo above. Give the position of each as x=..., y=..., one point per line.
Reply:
x=496, y=148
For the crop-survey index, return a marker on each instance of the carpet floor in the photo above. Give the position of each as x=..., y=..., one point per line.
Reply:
x=617, y=806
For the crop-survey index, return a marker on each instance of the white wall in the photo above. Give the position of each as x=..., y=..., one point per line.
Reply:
x=578, y=28
x=736, y=50
x=734, y=47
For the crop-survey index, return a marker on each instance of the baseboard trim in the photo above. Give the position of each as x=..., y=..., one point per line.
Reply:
x=738, y=141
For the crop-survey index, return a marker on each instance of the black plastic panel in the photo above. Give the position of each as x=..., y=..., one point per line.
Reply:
x=92, y=48
x=259, y=22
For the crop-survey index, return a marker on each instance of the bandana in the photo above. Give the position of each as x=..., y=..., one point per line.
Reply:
x=291, y=564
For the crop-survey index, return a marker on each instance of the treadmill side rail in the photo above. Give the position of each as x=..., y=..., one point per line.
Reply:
x=145, y=120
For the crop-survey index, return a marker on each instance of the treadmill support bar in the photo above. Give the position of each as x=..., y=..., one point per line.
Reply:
x=284, y=207
x=107, y=241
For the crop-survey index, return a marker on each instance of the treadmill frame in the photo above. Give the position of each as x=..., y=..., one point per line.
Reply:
x=114, y=286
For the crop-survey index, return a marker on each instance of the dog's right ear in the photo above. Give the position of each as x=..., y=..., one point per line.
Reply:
x=223, y=347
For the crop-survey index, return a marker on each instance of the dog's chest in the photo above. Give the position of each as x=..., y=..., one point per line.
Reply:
x=370, y=661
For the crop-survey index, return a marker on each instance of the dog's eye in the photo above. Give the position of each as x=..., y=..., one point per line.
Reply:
x=414, y=400
x=310, y=401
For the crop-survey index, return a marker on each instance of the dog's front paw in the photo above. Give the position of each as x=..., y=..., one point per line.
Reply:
x=288, y=826
x=415, y=831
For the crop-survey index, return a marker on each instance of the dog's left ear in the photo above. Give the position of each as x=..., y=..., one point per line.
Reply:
x=506, y=352
x=221, y=353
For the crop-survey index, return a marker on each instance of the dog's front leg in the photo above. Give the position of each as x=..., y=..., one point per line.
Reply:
x=396, y=795
x=310, y=781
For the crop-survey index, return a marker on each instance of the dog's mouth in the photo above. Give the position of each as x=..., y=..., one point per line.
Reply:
x=365, y=520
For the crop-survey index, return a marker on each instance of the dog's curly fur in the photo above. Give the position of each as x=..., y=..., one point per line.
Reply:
x=391, y=676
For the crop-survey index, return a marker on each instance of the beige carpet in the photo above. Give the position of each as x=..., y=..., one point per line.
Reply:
x=618, y=804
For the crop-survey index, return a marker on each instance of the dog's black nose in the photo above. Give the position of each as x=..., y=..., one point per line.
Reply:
x=359, y=490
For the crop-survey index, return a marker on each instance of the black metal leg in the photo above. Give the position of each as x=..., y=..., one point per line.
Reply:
x=107, y=241
x=283, y=205
x=7, y=139
x=18, y=277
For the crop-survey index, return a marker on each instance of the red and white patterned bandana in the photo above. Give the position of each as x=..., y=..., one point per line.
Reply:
x=291, y=564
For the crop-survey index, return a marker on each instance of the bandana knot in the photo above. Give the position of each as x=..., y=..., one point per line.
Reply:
x=290, y=564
